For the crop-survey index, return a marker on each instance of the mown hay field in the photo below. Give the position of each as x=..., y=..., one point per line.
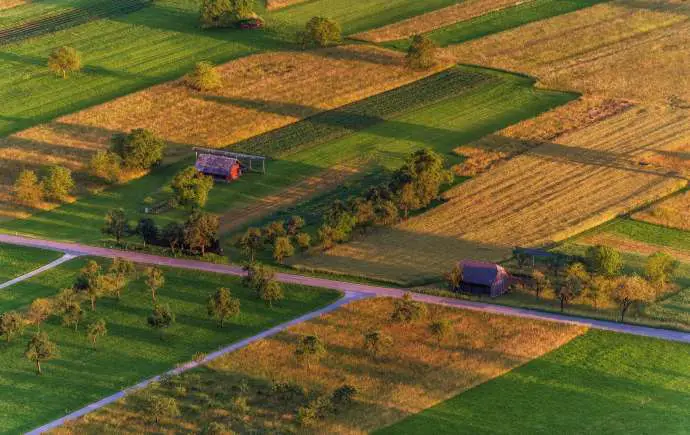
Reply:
x=413, y=374
x=299, y=84
x=622, y=49
x=672, y=212
x=424, y=23
x=549, y=193
x=611, y=383
x=131, y=351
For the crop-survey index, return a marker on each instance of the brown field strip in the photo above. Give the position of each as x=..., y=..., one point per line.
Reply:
x=7, y=4
x=465, y=10
x=633, y=246
x=673, y=212
x=300, y=84
x=629, y=49
x=549, y=193
x=413, y=374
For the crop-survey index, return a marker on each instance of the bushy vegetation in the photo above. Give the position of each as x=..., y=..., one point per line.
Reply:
x=422, y=53
x=191, y=187
x=64, y=60
x=205, y=77
x=320, y=31
x=140, y=149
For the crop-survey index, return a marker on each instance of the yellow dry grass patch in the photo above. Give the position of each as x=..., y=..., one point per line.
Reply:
x=631, y=49
x=7, y=4
x=464, y=10
x=412, y=375
x=672, y=212
x=549, y=193
x=261, y=93
x=277, y=4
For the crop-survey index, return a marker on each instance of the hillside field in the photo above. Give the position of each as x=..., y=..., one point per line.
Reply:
x=131, y=351
x=611, y=383
x=415, y=372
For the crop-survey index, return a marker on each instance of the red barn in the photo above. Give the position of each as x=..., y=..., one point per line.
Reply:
x=222, y=167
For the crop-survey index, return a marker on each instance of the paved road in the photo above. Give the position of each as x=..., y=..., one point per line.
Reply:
x=77, y=249
x=52, y=264
x=349, y=297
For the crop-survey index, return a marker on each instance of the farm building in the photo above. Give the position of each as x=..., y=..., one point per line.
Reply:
x=226, y=165
x=482, y=278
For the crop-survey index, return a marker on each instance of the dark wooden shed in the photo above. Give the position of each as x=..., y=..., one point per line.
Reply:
x=225, y=168
x=481, y=278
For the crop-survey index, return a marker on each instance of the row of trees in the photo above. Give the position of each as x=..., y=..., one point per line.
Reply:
x=225, y=13
x=138, y=150
x=56, y=185
x=279, y=234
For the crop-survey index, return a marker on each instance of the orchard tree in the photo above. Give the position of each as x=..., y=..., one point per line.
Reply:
x=173, y=236
x=11, y=325
x=148, y=230
x=271, y=291
x=191, y=187
x=99, y=287
x=106, y=165
x=422, y=53
x=440, y=329
x=598, y=288
x=123, y=267
x=376, y=342
x=139, y=150
x=257, y=275
x=72, y=315
x=88, y=275
x=96, y=330
x=540, y=283
x=386, y=212
x=294, y=225
x=660, y=268
x=632, y=290
x=363, y=211
x=272, y=231
x=201, y=230
x=64, y=60
x=303, y=241
x=116, y=224
x=154, y=280
x=282, y=248
x=326, y=235
x=39, y=349
x=27, y=188
x=320, y=31
x=310, y=349
x=161, y=318
x=205, y=77
x=222, y=305
x=58, y=183
x=250, y=243
x=39, y=311
x=604, y=260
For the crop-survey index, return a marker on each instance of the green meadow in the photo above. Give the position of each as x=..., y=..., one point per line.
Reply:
x=131, y=351
x=18, y=260
x=601, y=382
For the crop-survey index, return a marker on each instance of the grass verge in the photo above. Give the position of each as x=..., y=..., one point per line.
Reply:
x=18, y=260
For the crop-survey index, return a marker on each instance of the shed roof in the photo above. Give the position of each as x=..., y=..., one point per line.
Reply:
x=481, y=273
x=215, y=164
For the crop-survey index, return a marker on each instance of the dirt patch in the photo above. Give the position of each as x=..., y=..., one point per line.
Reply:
x=673, y=212
x=414, y=373
x=461, y=11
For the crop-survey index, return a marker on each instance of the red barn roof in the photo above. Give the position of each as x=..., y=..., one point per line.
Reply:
x=210, y=164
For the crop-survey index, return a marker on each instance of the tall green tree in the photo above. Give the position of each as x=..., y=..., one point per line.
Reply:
x=422, y=52
x=140, y=149
x=40, y=349
x=116, y=224
x=27, y=188
x=320, y=31
x=161, y=318
x=191, y=187
x=604, y=260
x=201, y=231
x=58, y=183
x=222, y=305
x=660, y=268
x=250, y=243
x=11, y=325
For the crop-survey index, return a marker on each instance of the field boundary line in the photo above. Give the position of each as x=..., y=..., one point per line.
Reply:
x=65, y=258
x=349, y=297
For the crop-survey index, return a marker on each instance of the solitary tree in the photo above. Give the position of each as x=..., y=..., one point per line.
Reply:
x=632, y=290
x=205, y=77
x=58, y=183
x=27, y=188
x=191, y=187
x=122, y=270
x=72, y=315
x=39, y=349
x=140, y=149
x=96, y=330
x=604, y=260
x=375, y=342
x=154, y=280
x=106, y=165
x=407, y=310
x=64, y=60
x=659, y=268
x=282, y=248
x=271, y=291
x=440, y=329
x=422, y=52
x=321, y=31
x=116, y=224
x=222, y=305
x=39, y=311
x=250, y=243
x=310, y=349
x=161, y=318
x=201, y=231
x=11, y=325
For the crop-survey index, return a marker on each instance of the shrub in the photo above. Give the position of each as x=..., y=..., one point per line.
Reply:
x=321, y=31
x=205, y=77
x=407, y=310
x=161, y=407
x=288, y=391
x=27, y=188
x=307, y=416
x=294, y=225
x=310, y=349
x=454, y=278
x=659, y=268
x=106, y=165
x=303, y=241
x=58, y=183
x=376, y=342
x=191, y=187
x=343, y=396
x=440, y=329
x=604, y=260
x=140, y=149
x=240, y=405
x=216, y=428
x=64, y=60
x=422, y=53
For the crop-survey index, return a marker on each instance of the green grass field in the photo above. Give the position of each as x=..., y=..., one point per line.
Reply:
x=18, y=260
x=499, y=21
x=502, y=99
x=601, y=382
x=161, y=42
x=648, y=233
x=131, y=351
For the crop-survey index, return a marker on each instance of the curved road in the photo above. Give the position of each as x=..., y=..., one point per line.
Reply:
x=362, y=289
